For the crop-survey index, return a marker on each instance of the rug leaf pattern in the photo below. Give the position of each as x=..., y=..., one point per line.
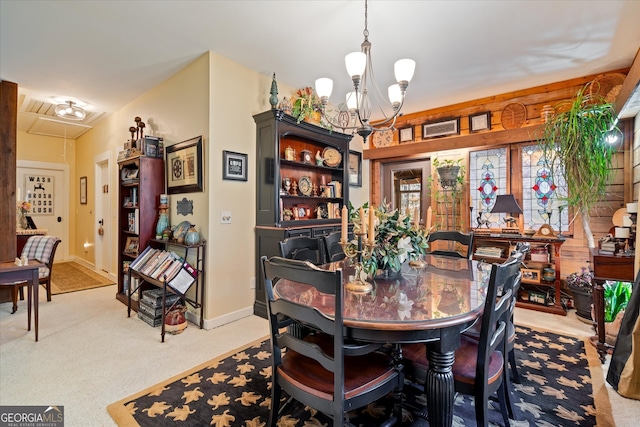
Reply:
x=556, y=390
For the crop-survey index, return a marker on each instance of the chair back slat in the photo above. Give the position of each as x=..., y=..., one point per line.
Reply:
x=334, y=251
x=451, y=241
x=303, y=248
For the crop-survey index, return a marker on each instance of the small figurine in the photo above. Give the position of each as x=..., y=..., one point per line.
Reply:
x=294, y=188
x=319, y=158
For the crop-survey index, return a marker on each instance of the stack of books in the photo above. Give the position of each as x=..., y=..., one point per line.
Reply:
x=608, y=248
x=488, y=252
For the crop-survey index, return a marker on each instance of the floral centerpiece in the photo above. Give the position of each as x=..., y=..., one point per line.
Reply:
x=306, y=105
x=397, y=239
x=23, y=209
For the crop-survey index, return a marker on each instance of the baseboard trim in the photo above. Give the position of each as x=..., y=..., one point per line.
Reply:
x=222, y=320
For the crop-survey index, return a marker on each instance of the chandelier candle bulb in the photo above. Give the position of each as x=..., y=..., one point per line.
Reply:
x=416, y=217
x=345, y=226
x=361, y=214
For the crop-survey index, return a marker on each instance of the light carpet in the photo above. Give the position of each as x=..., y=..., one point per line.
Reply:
x=562, y=384
x=71, y=277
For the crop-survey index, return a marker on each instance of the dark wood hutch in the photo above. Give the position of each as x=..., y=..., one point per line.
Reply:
x=281, y=145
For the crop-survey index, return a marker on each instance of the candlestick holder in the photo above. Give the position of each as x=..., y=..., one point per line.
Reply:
x=356, y=252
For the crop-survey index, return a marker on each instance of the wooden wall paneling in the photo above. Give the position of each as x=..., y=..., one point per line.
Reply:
x=8, y=132
x=629, y=85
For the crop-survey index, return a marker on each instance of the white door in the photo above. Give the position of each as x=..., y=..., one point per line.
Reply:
x=46, y=187
x=103, y=218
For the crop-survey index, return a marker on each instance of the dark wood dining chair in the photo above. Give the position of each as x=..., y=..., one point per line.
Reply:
x=303, y=248
x=450, y=243
x=333, y=249
x=479, y=369
x=474, y=331
x=321, y=370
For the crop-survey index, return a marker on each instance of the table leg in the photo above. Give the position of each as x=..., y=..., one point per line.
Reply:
x=439, y=387
x=29, y=300
x=36, y=302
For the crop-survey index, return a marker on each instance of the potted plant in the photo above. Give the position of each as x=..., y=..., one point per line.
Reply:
x=306, y=105
x=397, y=239
x=451, y=173
x=581, y=286
x=574, y=143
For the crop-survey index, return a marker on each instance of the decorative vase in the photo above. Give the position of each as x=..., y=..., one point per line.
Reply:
x=21, y=219
x=163, y=223
x=582, y=301
x=313, y=118
x=192, y=237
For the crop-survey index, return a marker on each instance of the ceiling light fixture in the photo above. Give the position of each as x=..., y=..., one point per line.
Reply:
x=357, y=113
x=70, y=111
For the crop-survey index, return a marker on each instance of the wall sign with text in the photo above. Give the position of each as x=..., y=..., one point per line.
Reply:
x=40, y=193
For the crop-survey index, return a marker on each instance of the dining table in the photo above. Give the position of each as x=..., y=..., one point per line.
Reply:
x=432, y=303
x=11, y=272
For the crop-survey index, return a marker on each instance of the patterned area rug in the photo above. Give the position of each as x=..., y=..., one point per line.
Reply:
x=557, y=389
x=71, y=277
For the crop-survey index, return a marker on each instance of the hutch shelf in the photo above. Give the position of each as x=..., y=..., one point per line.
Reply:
x=301, y=184
x=538, y=291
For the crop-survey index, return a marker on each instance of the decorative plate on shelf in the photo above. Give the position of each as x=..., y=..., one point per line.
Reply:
x=513, y=116
x=331, y=156
x=382, y=138
x=304, y=184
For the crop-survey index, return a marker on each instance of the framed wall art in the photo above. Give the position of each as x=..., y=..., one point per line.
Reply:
x=355, y=168
x=184, y=166
x=479, y=122
x=234, y=166
x=83, y=190
x=441, y=128
x=405, y=134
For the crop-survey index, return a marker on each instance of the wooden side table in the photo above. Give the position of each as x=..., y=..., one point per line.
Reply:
x=606, y=267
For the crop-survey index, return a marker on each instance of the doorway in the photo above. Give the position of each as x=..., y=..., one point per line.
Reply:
x=45, y=185
x=405, y=186
x=103, y=226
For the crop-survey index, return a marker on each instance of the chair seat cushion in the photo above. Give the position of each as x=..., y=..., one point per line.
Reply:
x=360, y=372
x=464, y=367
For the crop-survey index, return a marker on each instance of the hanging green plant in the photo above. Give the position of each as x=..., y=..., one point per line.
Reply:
x=574, y=142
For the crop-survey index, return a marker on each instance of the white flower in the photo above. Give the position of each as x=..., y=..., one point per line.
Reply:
x=404, y=248
x=404, y=306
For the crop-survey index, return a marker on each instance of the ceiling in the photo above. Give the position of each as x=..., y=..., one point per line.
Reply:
x=105, y=54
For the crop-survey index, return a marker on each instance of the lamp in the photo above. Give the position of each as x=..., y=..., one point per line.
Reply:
x=506, y=203
x=70, y=111
x=360, y=68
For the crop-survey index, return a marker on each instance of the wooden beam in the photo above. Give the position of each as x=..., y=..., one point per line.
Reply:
x=499, y=137
x=629, y=85
x=8, y=134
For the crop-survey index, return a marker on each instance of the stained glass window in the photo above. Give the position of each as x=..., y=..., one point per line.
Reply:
x=542, y=192
x=487, y=179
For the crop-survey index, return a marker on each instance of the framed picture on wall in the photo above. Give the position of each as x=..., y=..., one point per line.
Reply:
x=234, y=166
x=406, y=134
x=355, y=169
x=184, y=166
x=83, y=190
x=481, y=121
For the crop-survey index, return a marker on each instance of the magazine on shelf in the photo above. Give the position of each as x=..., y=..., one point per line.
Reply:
x=183, y=280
